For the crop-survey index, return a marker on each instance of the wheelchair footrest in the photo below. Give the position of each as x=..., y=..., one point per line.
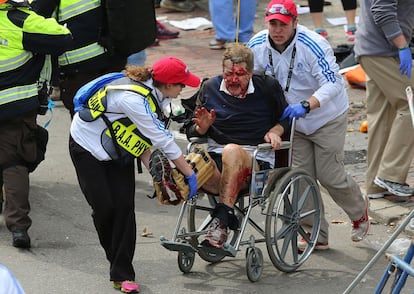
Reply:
x=227, y=250
x=178, y=246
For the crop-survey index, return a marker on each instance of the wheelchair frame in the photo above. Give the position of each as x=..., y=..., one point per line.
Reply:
x=281, y=194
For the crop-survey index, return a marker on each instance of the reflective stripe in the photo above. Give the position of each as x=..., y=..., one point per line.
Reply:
x=18, y=93
x=81, y=54
x=136, y=88
x=128, y=139
x=15, y=62
x=96, y=105
x=46, y=73
x=77, y=8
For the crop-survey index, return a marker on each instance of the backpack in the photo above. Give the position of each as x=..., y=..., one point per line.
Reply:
x=42, y=137
x=87, y=90
x=130, y=25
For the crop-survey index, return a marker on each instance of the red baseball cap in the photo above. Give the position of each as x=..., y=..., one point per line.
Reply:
x=283, y=10
x=171, y=70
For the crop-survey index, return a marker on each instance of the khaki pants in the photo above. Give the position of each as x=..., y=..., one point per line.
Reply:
x=321, y=154
x=390, y=129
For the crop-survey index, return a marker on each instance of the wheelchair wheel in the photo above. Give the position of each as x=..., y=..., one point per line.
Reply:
x=185, y=261
x=254, y=264
x=296, y=198
x=199, y=219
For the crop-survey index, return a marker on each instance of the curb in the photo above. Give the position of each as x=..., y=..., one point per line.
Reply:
x=390, y=213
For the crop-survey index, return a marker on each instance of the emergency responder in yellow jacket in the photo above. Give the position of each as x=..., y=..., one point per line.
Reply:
x=88, y=59
x=25, y=38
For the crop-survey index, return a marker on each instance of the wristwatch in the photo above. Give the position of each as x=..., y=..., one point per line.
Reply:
x=306, y=105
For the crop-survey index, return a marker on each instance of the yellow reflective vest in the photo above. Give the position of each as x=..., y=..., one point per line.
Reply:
x=121, y=138
x=25, y=39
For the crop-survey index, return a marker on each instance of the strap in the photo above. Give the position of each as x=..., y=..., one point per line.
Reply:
x=111, y=130
x=139, y=165
x=291, y=66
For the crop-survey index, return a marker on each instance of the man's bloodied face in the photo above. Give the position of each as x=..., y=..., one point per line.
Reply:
x=236, y=78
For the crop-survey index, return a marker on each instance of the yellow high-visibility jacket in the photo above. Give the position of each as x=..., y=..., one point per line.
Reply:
x=25, y=39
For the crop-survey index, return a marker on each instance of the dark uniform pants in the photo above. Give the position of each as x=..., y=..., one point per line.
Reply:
x=109, y=188
x=17, y=146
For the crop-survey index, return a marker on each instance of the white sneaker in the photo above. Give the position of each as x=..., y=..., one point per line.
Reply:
x=360, y=227
x=402, y=190
x=378, y=195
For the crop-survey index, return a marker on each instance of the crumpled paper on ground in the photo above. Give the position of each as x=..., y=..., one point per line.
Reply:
x=195, y=23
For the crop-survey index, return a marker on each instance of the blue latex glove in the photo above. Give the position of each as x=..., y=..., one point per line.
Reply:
x=406, y=61
x=293, y=111
x=192, y=184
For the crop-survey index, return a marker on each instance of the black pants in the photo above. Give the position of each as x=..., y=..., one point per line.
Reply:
x=109, y=188
x=317, y=5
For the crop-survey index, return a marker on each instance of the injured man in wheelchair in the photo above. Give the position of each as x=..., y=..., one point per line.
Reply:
x=236, y=111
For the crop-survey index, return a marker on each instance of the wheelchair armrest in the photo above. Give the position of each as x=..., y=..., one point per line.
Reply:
x=198, y=140
x=267, y=146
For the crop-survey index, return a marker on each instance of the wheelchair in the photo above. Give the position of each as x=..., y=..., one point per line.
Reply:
x=285, y=197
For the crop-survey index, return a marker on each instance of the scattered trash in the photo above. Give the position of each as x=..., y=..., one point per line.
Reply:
x=363, y=128
x=146, y=232
x=410, y=226
x=358, y=105
x=398, y=246
x=335, y=221
x=195, y=23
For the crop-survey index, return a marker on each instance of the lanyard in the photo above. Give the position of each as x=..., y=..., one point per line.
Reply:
x=291, y=65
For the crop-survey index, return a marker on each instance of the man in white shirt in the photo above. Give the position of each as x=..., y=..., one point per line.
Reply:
x=304, y=64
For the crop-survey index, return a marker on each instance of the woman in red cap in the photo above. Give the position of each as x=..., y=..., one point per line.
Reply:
x=120, y=122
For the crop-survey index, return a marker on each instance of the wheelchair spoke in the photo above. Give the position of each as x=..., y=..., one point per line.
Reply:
x=309, y=213
x=283, y=232
x=304, y=197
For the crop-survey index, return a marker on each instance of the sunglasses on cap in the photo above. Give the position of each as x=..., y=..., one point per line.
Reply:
x=279, y=9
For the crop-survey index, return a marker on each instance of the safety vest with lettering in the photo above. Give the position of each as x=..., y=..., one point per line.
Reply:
x=67, y=12
x=21, y=69
x=127, y=135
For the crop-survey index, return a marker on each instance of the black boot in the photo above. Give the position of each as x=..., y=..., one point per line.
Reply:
x=21, y=239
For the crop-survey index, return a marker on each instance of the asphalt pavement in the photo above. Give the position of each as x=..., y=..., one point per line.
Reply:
x=66, y=256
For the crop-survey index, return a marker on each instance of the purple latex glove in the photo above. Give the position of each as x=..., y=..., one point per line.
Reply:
x=293, y=111
x=192, y=184
x=406, y=61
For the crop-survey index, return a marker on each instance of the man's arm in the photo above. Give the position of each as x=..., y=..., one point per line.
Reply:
x=42, y=35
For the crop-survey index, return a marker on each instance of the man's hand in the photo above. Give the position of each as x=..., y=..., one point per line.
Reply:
x=406, y=61
x=204, y=119
x=293, y=111
x=274, y=139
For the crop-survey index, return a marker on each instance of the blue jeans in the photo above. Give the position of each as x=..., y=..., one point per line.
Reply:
x=224, y=17
x=138, y=58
